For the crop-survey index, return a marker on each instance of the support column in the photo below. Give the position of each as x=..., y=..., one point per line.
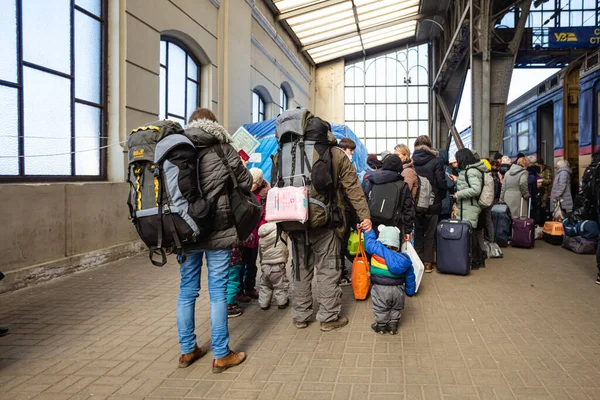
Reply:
x=491, y=73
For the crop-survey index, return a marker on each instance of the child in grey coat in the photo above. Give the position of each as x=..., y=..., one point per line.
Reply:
x=273, y=255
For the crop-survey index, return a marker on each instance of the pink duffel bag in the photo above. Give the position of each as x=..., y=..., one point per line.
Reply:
x=287, y=204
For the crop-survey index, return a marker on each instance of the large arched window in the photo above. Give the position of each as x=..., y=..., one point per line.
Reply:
x=52, y=92
x=258, y=107
x=179, y=81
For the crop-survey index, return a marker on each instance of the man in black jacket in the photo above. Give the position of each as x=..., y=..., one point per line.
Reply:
x=428, y=165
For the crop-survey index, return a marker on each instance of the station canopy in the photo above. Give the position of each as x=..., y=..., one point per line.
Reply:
x=329, y=29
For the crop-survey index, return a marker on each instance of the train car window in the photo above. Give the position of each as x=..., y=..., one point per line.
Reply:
x=507, y=141
x=523, y=135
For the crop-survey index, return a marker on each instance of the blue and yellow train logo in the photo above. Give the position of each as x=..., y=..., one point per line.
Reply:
x=565, y=37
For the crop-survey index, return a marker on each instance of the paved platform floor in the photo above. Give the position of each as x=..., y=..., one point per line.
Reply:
x=527, y=326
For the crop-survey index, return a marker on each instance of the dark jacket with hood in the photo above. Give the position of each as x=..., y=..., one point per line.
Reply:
x=392, y=174
x=429, y=165
x=215, y=180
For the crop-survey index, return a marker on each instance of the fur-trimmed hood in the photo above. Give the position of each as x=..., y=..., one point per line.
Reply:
x=204, y=133
x=423, y=154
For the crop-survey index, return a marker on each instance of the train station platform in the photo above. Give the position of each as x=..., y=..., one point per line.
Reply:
x=526, y=327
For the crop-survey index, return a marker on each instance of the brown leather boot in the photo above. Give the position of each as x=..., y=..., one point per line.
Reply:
x=185, y=360
x=230, y=360
x=428, y=267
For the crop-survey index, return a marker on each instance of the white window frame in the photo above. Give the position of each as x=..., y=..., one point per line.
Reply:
x=523, y=132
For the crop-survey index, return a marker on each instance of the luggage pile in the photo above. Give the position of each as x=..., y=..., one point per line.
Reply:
x=580, y=237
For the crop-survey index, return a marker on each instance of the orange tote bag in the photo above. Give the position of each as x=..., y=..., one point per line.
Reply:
x=361, y=278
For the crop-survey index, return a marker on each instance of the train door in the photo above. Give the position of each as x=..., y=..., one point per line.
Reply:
x=571, y=119
x=545, y=133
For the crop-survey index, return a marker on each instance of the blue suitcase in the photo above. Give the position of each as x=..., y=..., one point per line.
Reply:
x=502, y=224
x=454, y=247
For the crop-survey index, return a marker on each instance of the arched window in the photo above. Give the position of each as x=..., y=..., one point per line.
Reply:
x=283, y=100
x=179, y=81
x=52, y=90
x=258, y=107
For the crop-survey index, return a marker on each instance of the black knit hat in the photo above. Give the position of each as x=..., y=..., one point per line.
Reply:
x=497, y=156
x=392, y=163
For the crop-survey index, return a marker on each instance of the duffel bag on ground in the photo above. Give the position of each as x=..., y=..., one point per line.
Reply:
x=579, y=245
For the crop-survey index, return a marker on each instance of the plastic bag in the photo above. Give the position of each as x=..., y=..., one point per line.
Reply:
x=361, y=276
x=492, y=250
x=539, y=232
x=418, y=266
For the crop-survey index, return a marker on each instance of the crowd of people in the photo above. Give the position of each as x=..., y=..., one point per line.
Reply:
x=430, y=188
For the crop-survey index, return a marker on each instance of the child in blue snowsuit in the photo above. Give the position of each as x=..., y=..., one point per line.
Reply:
x=392, y=275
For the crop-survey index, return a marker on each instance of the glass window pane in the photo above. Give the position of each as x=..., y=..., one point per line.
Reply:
x=391, y=111
x=380, y=129
x=402, y=94
x=192, y=69
x=349, y=76
x=254, y=107
x=380, y=91
x=370, y=129
x=162, y=93
x=87, y=58
x=370, y=75
x=390, y=93
x=391, y=130
x=176, y=80
x=380, y=112
x=9, y=129
x=87, y=140
x=413, y=94
x=423, y=111
x=370, y=91
x=371, y=146
x=370, y=109
x=413, y=111
x=176, y=119
x=423, y=128
x=576, y=4
x=413, y=128
x=47, y=33
x=46, y=100
x=589, y=18
x=163, y=52
x=349, y=112
x=391, y=143
x=359, y=113
x=402, y=129
x=381, y=145
x=8, y=41
x=359, y=129
x=402, y=112
x=589, y=4
x=349, y=95
x=359, y=95
x=92, y=6
x=192, y=98
x=523, y=142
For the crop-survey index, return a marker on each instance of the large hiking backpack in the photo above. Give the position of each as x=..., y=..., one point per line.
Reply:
x=165, y=202
x=425, y=195
x=304, y=160
x=385, y=203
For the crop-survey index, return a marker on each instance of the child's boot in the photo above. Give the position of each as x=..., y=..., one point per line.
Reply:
x=392, y=327
x=378, y=328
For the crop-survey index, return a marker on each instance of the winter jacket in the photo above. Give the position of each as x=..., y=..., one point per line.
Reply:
x=447, y=200
x=215, y=179
x=532, y=177
x=261, y=195
x=546, y=188
x=408, y=210
x=514, y=188
x=468, y=193
x=384, y=257
x=561, y=189
x=366, y=172
x=272, y=250
x=410, y=177
x=345, y=180
x=430, y=166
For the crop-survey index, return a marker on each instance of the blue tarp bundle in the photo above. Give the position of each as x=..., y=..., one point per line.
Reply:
x=265, y=133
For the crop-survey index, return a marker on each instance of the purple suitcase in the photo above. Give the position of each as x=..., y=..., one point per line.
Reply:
x=523, y=230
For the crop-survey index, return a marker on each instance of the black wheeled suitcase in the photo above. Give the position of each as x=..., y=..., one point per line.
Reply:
x=453, y=240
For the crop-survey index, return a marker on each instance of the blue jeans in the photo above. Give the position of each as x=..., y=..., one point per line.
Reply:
x=218, y=272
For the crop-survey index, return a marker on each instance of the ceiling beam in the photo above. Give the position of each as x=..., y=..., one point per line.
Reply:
x=363, y=31
x=307, y=9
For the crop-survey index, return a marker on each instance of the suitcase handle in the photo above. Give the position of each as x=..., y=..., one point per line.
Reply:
x=528, y=209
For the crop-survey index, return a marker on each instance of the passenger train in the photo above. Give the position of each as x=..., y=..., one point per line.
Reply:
x=558, y=119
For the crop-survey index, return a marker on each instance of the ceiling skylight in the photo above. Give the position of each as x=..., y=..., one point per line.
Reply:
x=329, y=29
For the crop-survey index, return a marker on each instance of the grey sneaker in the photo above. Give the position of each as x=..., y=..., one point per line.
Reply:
x=332, y=325
x=301, y=325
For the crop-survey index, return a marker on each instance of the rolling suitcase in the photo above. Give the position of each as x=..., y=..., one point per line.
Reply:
x=502, y=224
x=523, y=230
x=453, y=240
